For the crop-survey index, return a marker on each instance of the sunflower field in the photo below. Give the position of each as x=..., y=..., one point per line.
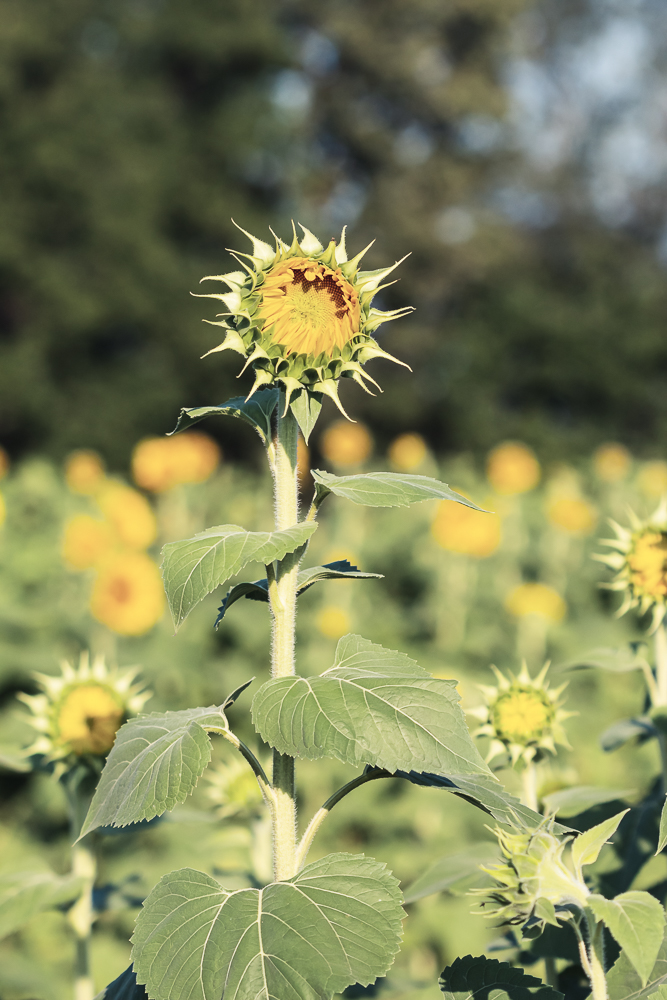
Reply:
x=458, y=588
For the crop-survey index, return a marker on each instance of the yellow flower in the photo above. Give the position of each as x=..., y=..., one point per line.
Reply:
x=4, y=463
x=84, y=472
x=79, y=712
x=461, y=529
x=407, y=452
x=86, y=541
x=611, y=462
x=639, y=555
x=347, y=444
x=158, y=464
x=128, y=596
x=572, y=514
x=652, y=479
x=303, y=315
x=522, y=716
x=536, y=599
x=512, y=468
x=129, y=513
x=333, y=622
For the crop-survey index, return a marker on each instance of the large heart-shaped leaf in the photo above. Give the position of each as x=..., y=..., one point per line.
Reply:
x=155, y=763
x=125, y=987
x=637, y=921
x=384, y=489
x=374, y=706
x=23, y=894
x=488, y=979
x=259, y=589
x=256, y=411
x=336, y=923
x=571, y=801
x=193, y=567
x=624, y=983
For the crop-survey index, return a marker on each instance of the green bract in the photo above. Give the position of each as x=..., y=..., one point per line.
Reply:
x=302, y=315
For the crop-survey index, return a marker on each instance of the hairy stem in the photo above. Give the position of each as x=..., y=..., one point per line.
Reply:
x=592, y=957
x=282, y=577
x=529, y=786
x=80, y=916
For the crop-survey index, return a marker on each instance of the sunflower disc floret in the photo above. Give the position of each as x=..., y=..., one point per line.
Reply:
x=522, y=716
x=639, y=556
x=78, y=713
x=302, y=315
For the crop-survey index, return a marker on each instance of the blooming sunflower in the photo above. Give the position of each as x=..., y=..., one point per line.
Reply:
x=640, y=559
x=78, y=713
x=128, y=596
x=522, y=716
x=303, y=314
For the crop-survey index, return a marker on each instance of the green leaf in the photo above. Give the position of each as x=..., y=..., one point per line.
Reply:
x=622, y=732
x=256, y=411
x=336, y=923
x=24, y=894
x=623, y=982
x=637, y=921
x=14, y=759
x=374, y=706
x=384, y=489
x=155, y=763
x=484, y=792
x=306, y=408
x=259, y=589
x=489, y=979
x=125, y=987
x=617, y=661
x=586, y=848
x=452, y=873
x=192, y=568
x=571, y=801
x=662, y=837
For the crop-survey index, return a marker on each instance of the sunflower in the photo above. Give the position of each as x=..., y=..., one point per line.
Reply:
x=640, y=559
x=86, y=541
x=84, y=472
x=129, y=513
x=128, y=596
x=522, y=716
x=158, y=464
x=78, y=713
x=303, y=315
x=345, y=444
x=512, y=468
x=457, y=528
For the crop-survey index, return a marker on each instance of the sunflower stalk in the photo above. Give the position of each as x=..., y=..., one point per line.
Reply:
x=84, y=866
x=529, y=785
x=282, y=577
x=592, y=957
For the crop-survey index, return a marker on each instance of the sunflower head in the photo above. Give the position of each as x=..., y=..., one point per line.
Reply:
x=78, y=713
x=522, y=716
x=302, y=314
x=233, y=790
x=639, y=556
x=532, y=880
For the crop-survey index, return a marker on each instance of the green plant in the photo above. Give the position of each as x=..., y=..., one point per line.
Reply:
x=320, y=927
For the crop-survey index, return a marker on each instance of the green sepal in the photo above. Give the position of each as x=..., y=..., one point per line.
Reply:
x=306, y=406
x=257, y=412
x=335, y=923
x=259, y=589
x=384, y=489
x=477, y=978
x=586, y=848
x=155, y=763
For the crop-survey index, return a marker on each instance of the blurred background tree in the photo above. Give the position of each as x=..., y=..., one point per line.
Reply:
x=515, y=149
